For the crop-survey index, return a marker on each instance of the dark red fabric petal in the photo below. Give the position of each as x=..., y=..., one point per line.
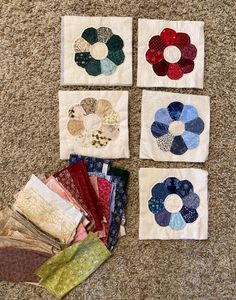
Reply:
x=157, y=43
x=168, y=35
x=174, y=72
x=153, y=56
x=161, y=68
x=186, y=65
x=182, y=39
x=189, y=52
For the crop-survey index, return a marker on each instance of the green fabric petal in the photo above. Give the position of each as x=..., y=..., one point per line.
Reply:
x=82, y=58
x=115, y=43
x=90, y=35
x=116, y=56
x=94, y=67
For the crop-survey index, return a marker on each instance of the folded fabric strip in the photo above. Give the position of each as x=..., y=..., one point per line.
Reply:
x=19, y=265
x=73, y=265
x=48, y=211
x=92, y=163
x=18, y=232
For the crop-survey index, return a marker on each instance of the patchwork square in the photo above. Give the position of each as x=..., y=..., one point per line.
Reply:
x=96, y=50
x=94, y=123
x=170, y=53
x=173, y=204
x=174, y=127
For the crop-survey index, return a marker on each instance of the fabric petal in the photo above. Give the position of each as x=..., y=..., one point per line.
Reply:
x=189, y=215
x=195, y=126
x=168, y=35
x=104, y=108
x=175, y=110
x=174, y=72
x=90, y=35
x=107, y=66
x=159, y=129
x=157, y=43
x=110, y=131
x=164, y=142
x=93, y=67
x=163, y=218
x=115, y=43
x=186, y=65
x=153, y=56
x=117, y=57
x=81, y=45
x=192, y=200
x=162, y=116
x=159, y=191
x=182, y=39
x=178, y=146
x=89, y=105
x=176, y=221
x=189, y=52
x=82, y=58
x=185, y=189
x=191, y=139
x=172, y=184
x=161, y=68
x=189, y=113
x=75, y=127
x=155, y=205
x=103, y=34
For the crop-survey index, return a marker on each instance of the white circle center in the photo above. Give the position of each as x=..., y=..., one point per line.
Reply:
x=99, y=50
x=173, y=203
x=172, y=54
x=176, y=128
x=92, y=122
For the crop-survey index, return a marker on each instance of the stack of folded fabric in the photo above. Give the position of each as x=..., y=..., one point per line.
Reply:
x=62, y=228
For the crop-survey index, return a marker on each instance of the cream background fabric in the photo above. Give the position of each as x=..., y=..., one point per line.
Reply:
x=72, y=28
x=148, y=228
x=117, y=148
x=153, y=101
x=145, y=74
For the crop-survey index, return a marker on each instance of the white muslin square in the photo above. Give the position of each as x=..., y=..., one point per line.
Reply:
x=94, y=123
x=170, y=53
x=96, y=51
x=174, y=127
x=173, y=204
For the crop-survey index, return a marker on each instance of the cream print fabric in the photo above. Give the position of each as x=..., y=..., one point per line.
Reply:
x=96, y=50
x=173, y=204
x=94, y=123
x=174, y=127
x=170, y=53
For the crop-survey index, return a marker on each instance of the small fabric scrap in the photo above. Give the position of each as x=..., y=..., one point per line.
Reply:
x=96, y=51
x=170, y=53
x=173, y=204
x=73, y=265
x=175, y=127
x=93, y=164
x=94, y=123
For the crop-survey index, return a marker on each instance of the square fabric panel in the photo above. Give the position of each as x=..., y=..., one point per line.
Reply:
x=175, y=127
x=96, y=51
x=173, y=204
x=94, y=123
x=170, y=53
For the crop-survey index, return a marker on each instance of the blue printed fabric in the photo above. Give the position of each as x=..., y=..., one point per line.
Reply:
x=92, y=163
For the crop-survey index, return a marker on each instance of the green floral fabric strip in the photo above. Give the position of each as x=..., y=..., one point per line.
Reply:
x=73, y=265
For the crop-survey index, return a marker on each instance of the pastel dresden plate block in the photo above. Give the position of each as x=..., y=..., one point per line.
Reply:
x=175, y=127
x=170, y=53
x=173, y=204
x=96, y=50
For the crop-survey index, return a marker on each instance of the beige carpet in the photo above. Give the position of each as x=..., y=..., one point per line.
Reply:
x=30, y=72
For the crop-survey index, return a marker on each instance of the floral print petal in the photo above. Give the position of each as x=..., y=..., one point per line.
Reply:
x=111, y=119
x=163, y=116
x=75, y=127
x=175, y=110
x=189, y=215
x=163, y=218
x=90, y=35
x=93, y=67
x=155, y=205
x=89, y=105
x=189, y=113
x=178, y=146
x=186, y=187
x=76, y=112
x=115, y=43
x=189, y=52
x=153, y=56
x=176, y=221
x=116, y=57
x=191, y=139
x=159, y=129
x=107, y=66
x=195, y=126
x=191, y=201
x=168, y=35
x=172, y=184
x=186, y=65
x=182, y=39
x=81, y=45
x=103, y=34
x=157, y=43
x=104, y=108
x=174, y=71
x=99, y=140
x=110, y=131
x=159, y=191
x=164, y=142
x=82, y=59
x=161, y=68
